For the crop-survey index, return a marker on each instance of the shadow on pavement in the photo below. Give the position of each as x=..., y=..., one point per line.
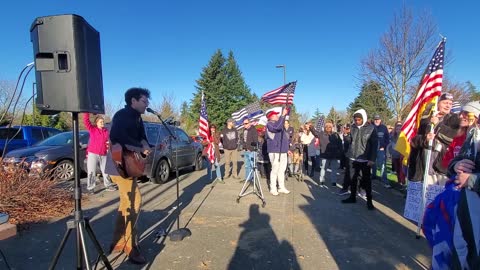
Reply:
x=358, y=238
x=40, y=242
x=259, y=248
x=157, y=224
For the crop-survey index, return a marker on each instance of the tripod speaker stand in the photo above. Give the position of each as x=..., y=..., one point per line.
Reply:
x=254, y=182
x=80, y=223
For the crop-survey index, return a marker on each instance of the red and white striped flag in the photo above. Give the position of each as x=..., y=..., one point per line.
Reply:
x=204, y=130
x=282, y=95
x=430, y=88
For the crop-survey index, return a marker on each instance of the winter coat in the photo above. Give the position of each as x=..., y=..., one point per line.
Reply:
x=99, y=137
x=468, y=151
x=347, y=140
x=453, y=149
x=229, y=138
x=252, y=137
x=445, y=131
x=277, y=139
x=383, y=136
x=330, y=144
x=364, y=141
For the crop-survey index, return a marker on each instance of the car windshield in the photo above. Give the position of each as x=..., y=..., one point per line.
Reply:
x=62, y=139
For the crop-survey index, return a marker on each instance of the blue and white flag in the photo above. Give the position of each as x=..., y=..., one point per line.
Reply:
x=253, y=112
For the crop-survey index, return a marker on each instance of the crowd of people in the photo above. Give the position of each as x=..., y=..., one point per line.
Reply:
x=360, y=148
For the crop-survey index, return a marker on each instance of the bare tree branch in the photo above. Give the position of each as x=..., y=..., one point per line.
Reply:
x=397, y=64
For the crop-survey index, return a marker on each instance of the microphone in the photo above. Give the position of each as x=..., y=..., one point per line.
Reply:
x=152, y=111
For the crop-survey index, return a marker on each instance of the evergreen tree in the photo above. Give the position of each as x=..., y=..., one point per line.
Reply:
x=211, y=83
x=316, y=114
x=35, y=119
x=334, y=116
x=472, y=89
x=224, y=88
x=372, y=99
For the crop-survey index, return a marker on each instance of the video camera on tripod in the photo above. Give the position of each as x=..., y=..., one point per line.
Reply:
x=255, y=145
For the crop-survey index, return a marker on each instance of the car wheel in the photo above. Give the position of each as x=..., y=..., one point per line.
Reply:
x=64, y=170
x=162, y=173
x=199, y=162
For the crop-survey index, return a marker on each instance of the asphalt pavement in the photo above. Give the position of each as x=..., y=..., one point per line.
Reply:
x=306, y=229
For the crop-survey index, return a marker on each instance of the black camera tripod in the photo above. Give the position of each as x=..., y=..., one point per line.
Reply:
x=255, y=182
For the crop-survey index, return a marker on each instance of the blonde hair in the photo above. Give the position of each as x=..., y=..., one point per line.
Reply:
x=98, y=118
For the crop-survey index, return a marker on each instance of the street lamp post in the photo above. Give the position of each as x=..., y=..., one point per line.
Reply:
x=284, y=73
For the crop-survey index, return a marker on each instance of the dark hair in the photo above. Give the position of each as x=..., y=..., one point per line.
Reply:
x=213, y=126
x=137, y=93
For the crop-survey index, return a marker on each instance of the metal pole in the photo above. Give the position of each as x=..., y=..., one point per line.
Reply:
x=425, y=173
x=33, y=103
x=284, y=73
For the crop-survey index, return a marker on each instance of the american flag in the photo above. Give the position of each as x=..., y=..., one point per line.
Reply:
x=430, y=88
x=279, y=96
x=320, y=123
x=251, y=111
x=204, y=130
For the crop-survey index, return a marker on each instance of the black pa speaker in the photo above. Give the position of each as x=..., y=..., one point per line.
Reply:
x=68, y=67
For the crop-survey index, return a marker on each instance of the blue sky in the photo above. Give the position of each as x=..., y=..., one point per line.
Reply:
x=163, y=45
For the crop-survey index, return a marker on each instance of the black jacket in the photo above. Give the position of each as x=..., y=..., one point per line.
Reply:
x=445, y=131
x=229, y=138
x=127, y=128
x=252, y=137
x=347, y=140
x=364, y=143
x=333, y=149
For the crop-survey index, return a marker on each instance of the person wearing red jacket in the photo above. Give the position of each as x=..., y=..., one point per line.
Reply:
x=97, y=152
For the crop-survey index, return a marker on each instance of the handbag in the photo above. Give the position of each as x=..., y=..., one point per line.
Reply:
x=128, y=163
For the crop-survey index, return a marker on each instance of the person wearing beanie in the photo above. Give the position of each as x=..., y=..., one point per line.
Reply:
x=446, y=125
x=361, y=155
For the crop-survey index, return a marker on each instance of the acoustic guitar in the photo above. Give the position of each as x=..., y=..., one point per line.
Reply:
x=129, y=162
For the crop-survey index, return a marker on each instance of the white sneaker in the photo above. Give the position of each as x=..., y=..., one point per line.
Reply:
x=285, y=191
x=362, y=194
x=274, y=193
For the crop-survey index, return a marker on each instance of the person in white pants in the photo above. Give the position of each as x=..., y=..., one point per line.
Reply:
x=277, y=148
x=97, y=152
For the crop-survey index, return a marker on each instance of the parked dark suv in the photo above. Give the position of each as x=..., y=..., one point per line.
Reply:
x=162, y=161
x=54, y=155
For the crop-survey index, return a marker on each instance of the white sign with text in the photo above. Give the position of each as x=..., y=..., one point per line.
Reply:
x=413, y=205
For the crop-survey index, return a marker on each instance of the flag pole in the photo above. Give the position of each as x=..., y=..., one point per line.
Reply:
x=428, y=158
x=283, y=128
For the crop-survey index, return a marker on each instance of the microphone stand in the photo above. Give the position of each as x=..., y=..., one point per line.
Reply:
x=179, y=233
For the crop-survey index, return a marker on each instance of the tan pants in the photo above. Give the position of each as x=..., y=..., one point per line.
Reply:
x=231, y=156
x=125, y=234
